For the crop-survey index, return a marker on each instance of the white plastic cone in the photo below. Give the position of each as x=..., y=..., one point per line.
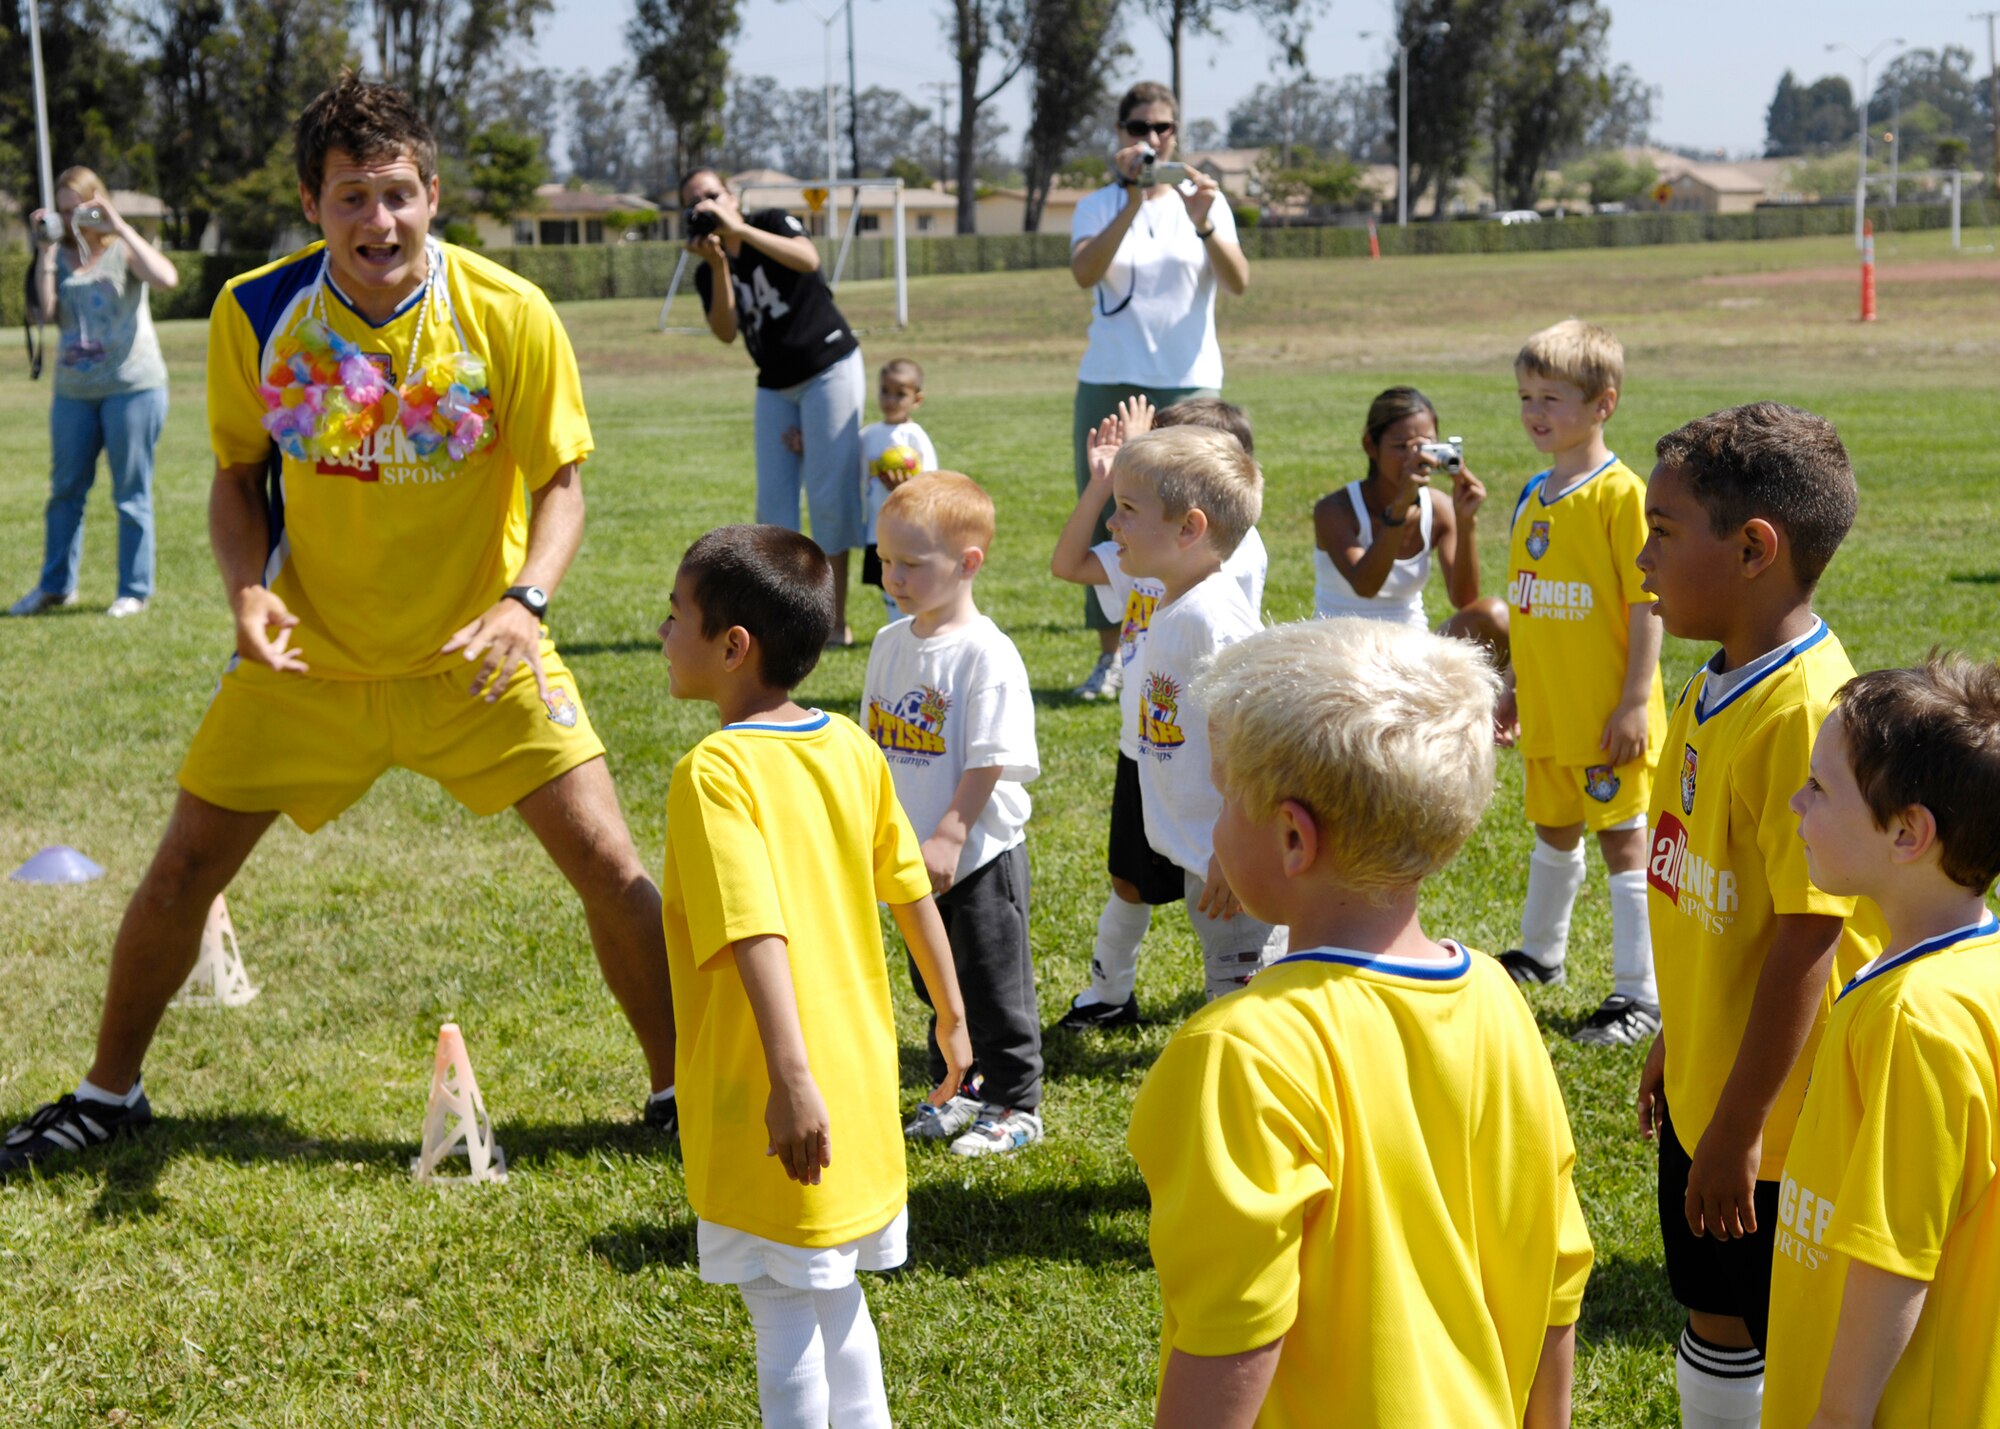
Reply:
x=219, y=978
x=456, y=1120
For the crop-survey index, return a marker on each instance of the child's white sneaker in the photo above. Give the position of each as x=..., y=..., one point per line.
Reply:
x=998, y=1130
x=1103, y=681
x=942, y=1123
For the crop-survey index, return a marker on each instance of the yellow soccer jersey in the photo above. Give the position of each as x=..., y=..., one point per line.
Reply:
x=1894, y=1165
x=793, y=830
x=1369, y=1156
x=1572, y=580
x=383, y=556
x=1725, y=861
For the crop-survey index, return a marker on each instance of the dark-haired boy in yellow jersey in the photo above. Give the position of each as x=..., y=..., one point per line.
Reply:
x=1744, y=510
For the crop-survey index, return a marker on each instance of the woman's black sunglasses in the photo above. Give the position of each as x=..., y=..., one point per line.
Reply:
x=1139, y=128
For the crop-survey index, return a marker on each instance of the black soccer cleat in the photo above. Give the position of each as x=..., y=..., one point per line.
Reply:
x=1526, y=972
x=70, y=1125
x=1619, y=1022
x=1083, y=1014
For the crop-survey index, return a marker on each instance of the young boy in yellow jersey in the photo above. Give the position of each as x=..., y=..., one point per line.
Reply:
x=783, y=831
x=1360, y=1165
x=1744, y=510
x=1885, y=1290
x=1585, y=678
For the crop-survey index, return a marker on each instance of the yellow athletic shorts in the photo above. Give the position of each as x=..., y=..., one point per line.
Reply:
x=288, y=743
x=1596, y=796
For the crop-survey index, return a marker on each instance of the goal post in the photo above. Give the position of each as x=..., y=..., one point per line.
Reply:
x=793, y=197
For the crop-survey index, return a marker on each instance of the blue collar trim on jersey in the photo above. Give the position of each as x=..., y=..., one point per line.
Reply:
x=1422, y=970
x=1543, y=488
x=818, y=719
x=423, y=290
x=1984, y=928
x=1797, y=648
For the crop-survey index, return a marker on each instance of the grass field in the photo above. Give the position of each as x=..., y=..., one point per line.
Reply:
x=263, y=1259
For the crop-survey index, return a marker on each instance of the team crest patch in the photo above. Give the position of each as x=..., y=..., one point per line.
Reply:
x=1538, y=540
x=562, y=709
x=1601, y=781
x=1687, y=780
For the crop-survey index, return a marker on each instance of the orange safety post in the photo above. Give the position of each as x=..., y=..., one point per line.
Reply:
x=1374, y=243
x=1868, y=272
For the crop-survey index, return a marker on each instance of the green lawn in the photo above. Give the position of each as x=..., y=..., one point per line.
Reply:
x=264, y=1259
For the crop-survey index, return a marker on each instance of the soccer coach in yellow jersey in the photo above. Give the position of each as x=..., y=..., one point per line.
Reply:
x=398, y=428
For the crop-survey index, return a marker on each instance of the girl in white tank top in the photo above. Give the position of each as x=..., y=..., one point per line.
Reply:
x=1359, y=544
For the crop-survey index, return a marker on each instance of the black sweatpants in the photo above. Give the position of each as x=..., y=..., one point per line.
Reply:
x=986, y=922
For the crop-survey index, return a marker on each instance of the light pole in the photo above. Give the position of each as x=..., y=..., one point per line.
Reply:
x=1992, y=93
x=1436, y=27
x=826, y=19
x=1861, y=171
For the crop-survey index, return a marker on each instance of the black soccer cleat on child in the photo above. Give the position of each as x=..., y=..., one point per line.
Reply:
x=1619, y=1022
x=1083, y=1014
x=1526, y=972
x=68, y=1125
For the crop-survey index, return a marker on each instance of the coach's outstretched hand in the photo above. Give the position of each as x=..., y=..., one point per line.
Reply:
x=264, y=629
x=509, y=636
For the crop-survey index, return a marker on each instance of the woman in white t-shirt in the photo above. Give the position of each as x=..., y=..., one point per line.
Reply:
x=1373, y=539
x=1151, y=258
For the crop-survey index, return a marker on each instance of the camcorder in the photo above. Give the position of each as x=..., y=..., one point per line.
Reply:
x=1152, y=171
x=699, y=222
x=91, y=216
x=1447, y=455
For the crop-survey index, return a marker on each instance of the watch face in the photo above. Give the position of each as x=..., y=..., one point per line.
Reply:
x=537, y=596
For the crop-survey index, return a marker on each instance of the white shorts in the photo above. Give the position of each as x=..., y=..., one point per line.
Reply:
x=728, y=1256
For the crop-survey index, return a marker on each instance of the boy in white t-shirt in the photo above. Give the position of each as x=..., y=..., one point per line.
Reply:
x=948, y=699
x=1141, y=878
x=892, y=451
x=1184, y=500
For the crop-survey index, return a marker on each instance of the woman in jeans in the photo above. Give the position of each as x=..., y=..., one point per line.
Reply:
x=760, y=278
x=110, y=387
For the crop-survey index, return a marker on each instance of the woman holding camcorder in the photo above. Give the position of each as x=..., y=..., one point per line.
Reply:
x=1151, y=246
x=92, y=275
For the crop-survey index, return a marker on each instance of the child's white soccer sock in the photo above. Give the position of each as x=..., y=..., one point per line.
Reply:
x=856, y=1394
x=1114, y=962
x=1632, y=939
x=1721, y=1388
x=1553, y=880
x=89, y=1091
x=791, y=1363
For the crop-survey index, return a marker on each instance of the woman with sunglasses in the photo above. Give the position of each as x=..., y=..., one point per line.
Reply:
x=1151, y=256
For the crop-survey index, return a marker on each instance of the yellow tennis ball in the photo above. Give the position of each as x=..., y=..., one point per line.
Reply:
x=897, y=461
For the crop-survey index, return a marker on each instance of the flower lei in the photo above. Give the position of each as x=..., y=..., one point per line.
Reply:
x=324, y=398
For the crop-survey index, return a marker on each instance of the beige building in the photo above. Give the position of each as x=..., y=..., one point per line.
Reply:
x=564, y=216
x=142, y=210
x=1001, y=211
x=926, y=212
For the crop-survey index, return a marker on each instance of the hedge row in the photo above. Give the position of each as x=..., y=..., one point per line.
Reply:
x=643, y=270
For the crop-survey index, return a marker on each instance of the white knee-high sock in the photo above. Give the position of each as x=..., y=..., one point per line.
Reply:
x=857, y=1396
x=1553, y=880
x=791, y=1364
x=1114, y=961
x=1632, y=939
x=1721, y=1388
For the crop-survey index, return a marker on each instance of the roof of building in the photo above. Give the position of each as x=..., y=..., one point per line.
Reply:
x=558, y=201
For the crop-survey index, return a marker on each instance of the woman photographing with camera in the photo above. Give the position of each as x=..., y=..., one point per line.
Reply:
x=1151, y=247
x=760, y=277
x=92, y=275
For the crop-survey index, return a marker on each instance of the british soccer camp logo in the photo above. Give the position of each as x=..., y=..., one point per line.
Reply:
x=1159, y=716
x=910, y=729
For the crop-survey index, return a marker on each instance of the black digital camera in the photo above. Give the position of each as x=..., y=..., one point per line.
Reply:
x=699, y=222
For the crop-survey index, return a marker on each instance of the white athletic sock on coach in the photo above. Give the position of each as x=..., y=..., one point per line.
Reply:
x=89, y=1091
x=1721, y=1388
x=1632, y=939
x=1553, y=880
x=1114, y=961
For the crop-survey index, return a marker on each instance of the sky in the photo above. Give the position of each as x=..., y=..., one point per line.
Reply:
x=1716, y=62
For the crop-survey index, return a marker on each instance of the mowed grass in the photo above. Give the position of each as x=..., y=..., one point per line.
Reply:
x=264, y=1259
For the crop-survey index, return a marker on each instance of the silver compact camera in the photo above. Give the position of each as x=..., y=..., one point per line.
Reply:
x=1152, y=171
x=91, y=216
x=1448, y=455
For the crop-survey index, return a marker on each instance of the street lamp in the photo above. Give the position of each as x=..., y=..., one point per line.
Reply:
x=826, y=19
x=1436, y=27
x=1861, y=172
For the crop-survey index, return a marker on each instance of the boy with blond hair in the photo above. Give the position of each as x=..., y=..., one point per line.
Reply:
x=1141, y=878
x=1184, y=499
x=1584, y=683
x=1365, y=1150
x=1744, y=510
x=783, y=831
x=1888, y=1246
x=948, y=699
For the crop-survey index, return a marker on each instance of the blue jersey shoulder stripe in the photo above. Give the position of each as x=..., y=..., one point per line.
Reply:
x=1534, y=485
x=265, y=298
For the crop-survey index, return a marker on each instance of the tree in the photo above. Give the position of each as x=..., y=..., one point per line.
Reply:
x=1805, y=118
x=1549, y=86
x=681, y=51
x=1609, y=179
x=1451, y=80
x=1626, y=117
x=978, y=30
x=598, y=110
x=95, y=95
x=1070, y=51
x=890, y=127
x=1287, y=22
x=1939, y=78
x=438, y=51
x=528, y=101
x=1345, y=117
x=506, y=169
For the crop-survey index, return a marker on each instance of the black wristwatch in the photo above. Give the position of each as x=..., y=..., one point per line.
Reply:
x=532, y=596
x=1204, y=234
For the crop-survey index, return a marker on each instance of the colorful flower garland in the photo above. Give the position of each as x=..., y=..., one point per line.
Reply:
x=324, y=398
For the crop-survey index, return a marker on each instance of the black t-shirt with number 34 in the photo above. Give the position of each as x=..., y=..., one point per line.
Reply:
x=787, y=318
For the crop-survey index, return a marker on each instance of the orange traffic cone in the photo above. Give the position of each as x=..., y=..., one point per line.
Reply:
x=456, y=1120
x=1374, y=243
x=1868, y=272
